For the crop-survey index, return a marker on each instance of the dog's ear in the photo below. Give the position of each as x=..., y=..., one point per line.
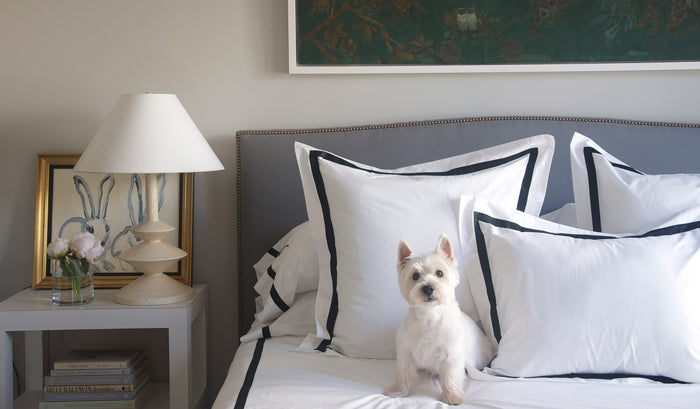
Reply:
x=444, y=247
x=404, y=252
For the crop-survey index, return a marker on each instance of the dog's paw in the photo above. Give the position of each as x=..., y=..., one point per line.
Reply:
x=394, y=391
x=452, y=397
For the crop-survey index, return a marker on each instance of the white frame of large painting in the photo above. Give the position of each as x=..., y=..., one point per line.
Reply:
x=295, y=68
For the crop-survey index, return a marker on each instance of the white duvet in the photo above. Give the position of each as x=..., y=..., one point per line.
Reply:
x=280, y=376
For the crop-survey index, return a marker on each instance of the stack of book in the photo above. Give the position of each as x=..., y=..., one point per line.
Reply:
x=92, y=379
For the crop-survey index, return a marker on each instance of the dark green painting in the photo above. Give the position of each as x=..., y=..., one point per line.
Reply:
x=459, y=32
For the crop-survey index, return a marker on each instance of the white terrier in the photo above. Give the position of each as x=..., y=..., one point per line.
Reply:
x=435, y=337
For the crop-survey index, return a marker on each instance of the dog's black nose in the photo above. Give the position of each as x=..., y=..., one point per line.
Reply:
x=427, y=290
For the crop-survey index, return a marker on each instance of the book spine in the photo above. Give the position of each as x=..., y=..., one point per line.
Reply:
x=84, y=372
x=62, y=397
x=90, y=365
x=88, y=388
x=113, y=404
x=137, y=403
x=89, y=380
x=82, y=396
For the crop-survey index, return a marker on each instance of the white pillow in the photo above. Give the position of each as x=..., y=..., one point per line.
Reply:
x=297, y=320
x=615, y=198
x=565, y=215
x=293, y=270
x=359, y=213
x=561, y=301
x=275, y=251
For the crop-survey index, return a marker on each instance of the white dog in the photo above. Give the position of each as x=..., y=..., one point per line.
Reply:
x=435, y=337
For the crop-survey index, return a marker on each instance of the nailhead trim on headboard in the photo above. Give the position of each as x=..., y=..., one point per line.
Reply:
x=464, y=120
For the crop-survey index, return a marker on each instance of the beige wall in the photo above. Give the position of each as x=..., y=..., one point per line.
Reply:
x=63, y=63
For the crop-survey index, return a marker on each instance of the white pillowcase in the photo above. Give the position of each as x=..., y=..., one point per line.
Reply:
x=275, y=251
x=615, y=198
x=561, y=301
x=359, y=213
x=565, y=215
x=297, y=320
x=288, y=269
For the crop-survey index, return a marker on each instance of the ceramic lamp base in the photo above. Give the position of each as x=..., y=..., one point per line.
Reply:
x=153, y=256
x=153, y=289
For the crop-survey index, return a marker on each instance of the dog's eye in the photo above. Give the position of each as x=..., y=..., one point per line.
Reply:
x=439, y=273
x=416, y=276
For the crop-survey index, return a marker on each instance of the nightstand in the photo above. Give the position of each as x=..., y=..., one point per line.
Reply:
x=31, y=311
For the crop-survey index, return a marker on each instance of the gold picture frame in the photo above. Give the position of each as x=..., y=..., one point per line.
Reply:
x=107, y=205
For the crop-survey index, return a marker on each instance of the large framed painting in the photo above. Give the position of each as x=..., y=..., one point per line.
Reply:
x=423, y=36
x=107, y=205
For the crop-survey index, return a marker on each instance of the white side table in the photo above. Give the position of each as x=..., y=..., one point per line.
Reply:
x=31, y=311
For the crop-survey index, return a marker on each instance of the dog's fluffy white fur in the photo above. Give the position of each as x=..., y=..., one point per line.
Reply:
x=435, y=337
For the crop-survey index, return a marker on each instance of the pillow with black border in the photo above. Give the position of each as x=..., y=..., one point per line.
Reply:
x=614, y=197
x=293, y=270
x=358, y=214
x=565, y=302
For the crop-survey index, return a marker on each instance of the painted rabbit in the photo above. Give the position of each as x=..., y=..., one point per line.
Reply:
x=94, y=215
x=137, y=214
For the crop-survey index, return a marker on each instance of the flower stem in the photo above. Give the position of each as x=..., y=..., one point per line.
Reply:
x=75, y=283
x=75, y=270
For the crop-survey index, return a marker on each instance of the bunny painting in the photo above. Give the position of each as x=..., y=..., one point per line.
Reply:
x=108, y=206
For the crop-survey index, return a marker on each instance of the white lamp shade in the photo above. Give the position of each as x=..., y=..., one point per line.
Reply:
x=148, y=133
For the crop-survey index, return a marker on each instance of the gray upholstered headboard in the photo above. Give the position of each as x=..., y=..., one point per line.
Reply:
x=270, y=199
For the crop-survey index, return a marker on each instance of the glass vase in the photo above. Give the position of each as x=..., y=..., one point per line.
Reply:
x=71, y=289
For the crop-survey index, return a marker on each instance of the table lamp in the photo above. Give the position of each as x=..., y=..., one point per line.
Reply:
x=150, y=134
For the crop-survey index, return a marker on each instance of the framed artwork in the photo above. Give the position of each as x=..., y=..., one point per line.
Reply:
x=107, y=205
x=429, y=36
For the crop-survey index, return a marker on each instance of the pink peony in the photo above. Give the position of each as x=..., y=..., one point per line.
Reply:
x=57, y=248
x=86, y=246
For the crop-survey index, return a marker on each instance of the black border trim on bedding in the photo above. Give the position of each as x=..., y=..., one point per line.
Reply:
x=593, y=193
x=609, y=377
x=277, y=298
x=314, y=159
x=491, y=293
x=271, y=272
x=250, y=375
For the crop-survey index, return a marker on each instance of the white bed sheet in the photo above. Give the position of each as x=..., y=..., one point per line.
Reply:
x=288, y=378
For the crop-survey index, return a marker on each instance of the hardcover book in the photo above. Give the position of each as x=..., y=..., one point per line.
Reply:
x=97, y=396
x=88, y=372
x=124, y=387
x=141, y=366
x=98, y=359
x=136, y=403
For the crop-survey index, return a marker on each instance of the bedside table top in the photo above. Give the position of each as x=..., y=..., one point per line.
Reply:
x=32, y=310
x=31, y=299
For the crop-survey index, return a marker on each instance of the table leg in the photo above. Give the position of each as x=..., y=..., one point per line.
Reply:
x=6, y=393
x=179, y=344
x=34, y=360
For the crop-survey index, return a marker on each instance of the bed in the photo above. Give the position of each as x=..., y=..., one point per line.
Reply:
x=596, y=219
